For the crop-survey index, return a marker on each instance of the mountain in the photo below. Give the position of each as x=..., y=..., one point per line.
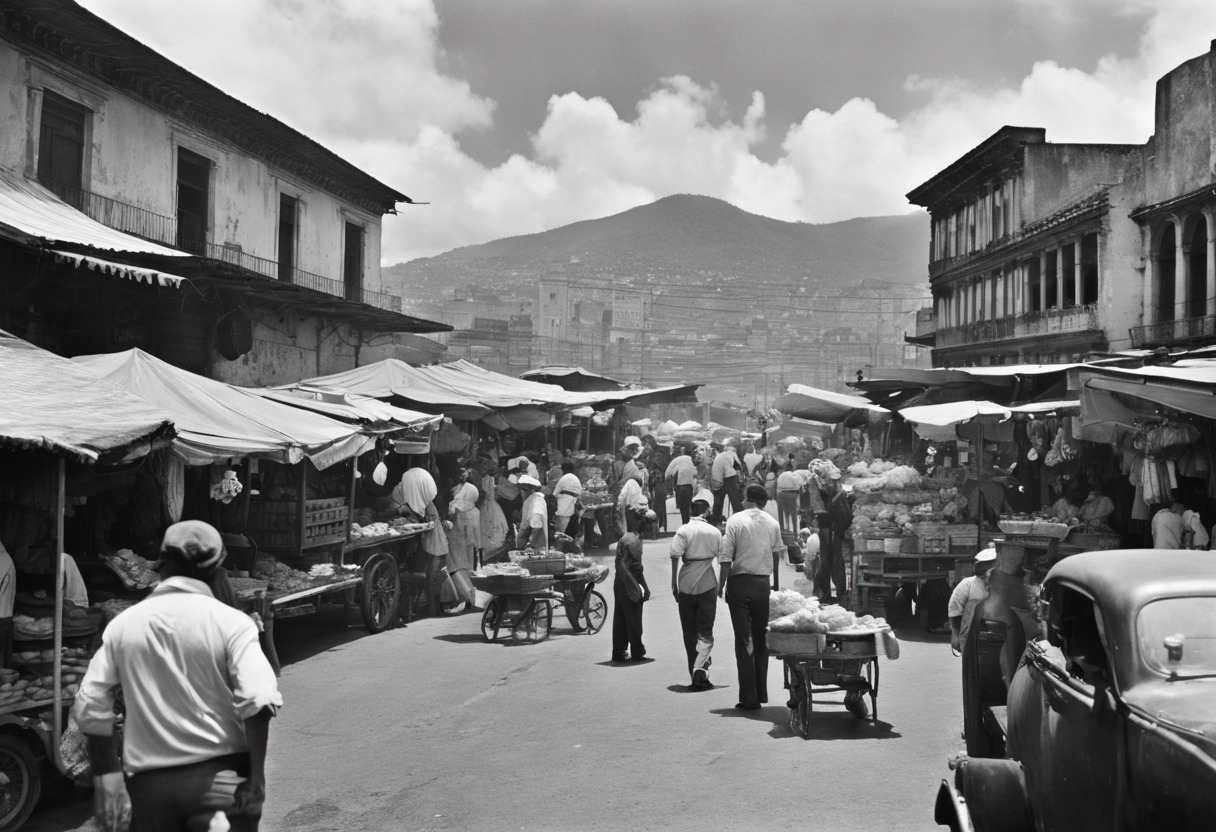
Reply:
x=683, y=239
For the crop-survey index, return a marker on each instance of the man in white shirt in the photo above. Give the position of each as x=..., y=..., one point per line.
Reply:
x=681, y=475
x=724, y=481
x=632, y=506
x=567, y=491
x=752, y=546
x=695, y=587
x=966, y=597
x=199, y=697
x=534, y=516
x=1167, y=527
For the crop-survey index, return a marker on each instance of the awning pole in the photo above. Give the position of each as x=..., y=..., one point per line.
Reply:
x=57, y=664
x=979, y=486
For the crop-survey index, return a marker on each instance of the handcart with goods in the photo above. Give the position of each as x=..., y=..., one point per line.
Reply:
x=817, y=664
x=523, y=604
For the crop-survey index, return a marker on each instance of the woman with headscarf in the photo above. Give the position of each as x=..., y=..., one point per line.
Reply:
x=415, y=498
x=630, y=591
x=494, y=525
x=464, y=541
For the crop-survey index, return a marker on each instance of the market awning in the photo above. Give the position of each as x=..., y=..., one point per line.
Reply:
x=939, y=422
x=49, y=403
x=574, y=379
x=217, y=422
x=153, y=277
x=347, y=407
x=1116, y=396
x=823, y=405
x=28, y=210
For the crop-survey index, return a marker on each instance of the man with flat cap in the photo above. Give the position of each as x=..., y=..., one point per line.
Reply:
x=199, y=697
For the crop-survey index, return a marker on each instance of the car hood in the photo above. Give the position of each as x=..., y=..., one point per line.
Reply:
x=1190, y=705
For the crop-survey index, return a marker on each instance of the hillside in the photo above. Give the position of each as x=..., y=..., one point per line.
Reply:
x=682, y=239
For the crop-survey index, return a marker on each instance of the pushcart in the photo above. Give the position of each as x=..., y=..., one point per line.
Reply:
x=523, y=604
x=818, y=664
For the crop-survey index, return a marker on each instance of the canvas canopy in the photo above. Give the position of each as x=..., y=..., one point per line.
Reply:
x=218, y=422
x=1113, y=397
x=940, y=422
x=51, y=404
x=372, y=414
x=823, y=405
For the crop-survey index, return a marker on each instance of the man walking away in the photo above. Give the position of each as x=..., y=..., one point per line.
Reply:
x=567, y=491
x=752, y=546
x=789, y=490
x=695, y=587
x=199, y=697
x=681, y=474
x=723, y=480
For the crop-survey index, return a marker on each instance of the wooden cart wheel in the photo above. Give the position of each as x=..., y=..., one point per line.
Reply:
x=381, y=592
x=574, y=603
x=535, y=623
x=21, y=782
x=489, y=619
x=593, y=613
x=801, y=704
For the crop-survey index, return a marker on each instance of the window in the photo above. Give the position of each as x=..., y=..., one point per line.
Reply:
x=193, y=200
x=289, y=208
x=352, y=262
x=61, y=147
x=553, y=296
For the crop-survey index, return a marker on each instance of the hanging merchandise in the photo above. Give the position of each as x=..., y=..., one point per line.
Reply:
x=226, y=487
x=380, y=474
x=170, y=472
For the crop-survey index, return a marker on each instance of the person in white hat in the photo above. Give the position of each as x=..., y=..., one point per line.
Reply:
x=533, y=517
x=694, y=549
x=967, y=596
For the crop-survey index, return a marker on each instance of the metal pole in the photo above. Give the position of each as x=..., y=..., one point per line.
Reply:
x=57, y=664
x=979, y=491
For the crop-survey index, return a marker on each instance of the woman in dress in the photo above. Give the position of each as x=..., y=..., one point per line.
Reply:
x=464, y=541
x=415, y=498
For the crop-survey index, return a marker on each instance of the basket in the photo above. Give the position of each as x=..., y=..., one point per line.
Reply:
x=1016, y=526
x=511, y=584
x=795, y=644
x=1044, y=529
x=544, y=566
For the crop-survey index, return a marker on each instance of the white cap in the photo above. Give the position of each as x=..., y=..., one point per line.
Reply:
x=985, y=556
x=632, y=440
x=705, y=496
x=527, y=479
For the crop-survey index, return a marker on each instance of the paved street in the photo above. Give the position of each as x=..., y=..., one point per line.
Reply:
x=430, y=728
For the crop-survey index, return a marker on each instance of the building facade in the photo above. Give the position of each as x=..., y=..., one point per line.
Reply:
x=1033, y=257
x=286, y=232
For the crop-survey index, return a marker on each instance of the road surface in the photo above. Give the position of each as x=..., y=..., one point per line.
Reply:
x=429, y=728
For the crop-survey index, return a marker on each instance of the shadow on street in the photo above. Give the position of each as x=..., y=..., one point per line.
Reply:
x=825, y=725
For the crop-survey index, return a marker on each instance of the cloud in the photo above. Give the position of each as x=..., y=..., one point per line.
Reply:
x=369, y=80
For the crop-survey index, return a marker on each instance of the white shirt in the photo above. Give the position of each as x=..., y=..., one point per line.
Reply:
x=752, y=536
x=191, y=671
x=535, y=513
x=752, y=460
x=811, y=547
x=683, y=469
x=723, y=467
x=789, y=481
x=73, y=584
x=632, y=496
x=570, y=484
x=1192, y=524
x=963, y=601
x=464, y=498
x=1167, y=530
x=698, y=544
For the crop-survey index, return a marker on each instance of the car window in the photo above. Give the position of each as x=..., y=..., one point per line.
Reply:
x=1076, y=631
x=1194, y=619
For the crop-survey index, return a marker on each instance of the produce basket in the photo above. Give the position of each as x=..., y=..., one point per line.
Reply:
x=796, y=644
x=511, y=584
x=1021, y=527
x=544, y=566
x=1042, y=528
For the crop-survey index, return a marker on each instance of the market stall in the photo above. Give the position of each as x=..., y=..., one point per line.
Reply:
x=64, y=434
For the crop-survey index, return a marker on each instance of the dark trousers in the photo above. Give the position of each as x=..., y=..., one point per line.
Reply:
x=510, y=509
x=734, y=490
x=831, y=564
x=684, y=502
x=697, y=613
x=626, y=625
x=787, y=510
x=166, y=799
x=719, y=502
x=747, y=598
x=659, y=503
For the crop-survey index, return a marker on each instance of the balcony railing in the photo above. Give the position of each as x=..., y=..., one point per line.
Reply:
x=161, y=229
x=1028, y=324
x=1173, y=332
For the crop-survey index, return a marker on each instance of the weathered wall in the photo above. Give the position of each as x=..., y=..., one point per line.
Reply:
x=133, y=159
x=1056, y=175
x=1181, y=152
x=285, y=350
x=1120, y=254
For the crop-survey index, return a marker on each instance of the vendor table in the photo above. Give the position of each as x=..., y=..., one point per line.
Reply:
x=831, y=663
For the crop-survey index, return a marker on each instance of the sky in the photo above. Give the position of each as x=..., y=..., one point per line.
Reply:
x=515, y=116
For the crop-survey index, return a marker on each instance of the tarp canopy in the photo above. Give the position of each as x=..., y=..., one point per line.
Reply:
x=51, y=404
x=32, y=211
x=794, y=429
x=823, y=405
x=574, y=379
x=940, y=422
x=1113, y=397
x=370, y=413
x=217, y=422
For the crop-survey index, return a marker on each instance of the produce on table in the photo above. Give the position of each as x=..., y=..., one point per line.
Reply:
x=134, y=571
x=490, y=569
x=792, y=612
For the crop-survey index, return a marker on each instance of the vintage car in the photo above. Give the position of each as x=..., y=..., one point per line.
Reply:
x=1111, y=720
